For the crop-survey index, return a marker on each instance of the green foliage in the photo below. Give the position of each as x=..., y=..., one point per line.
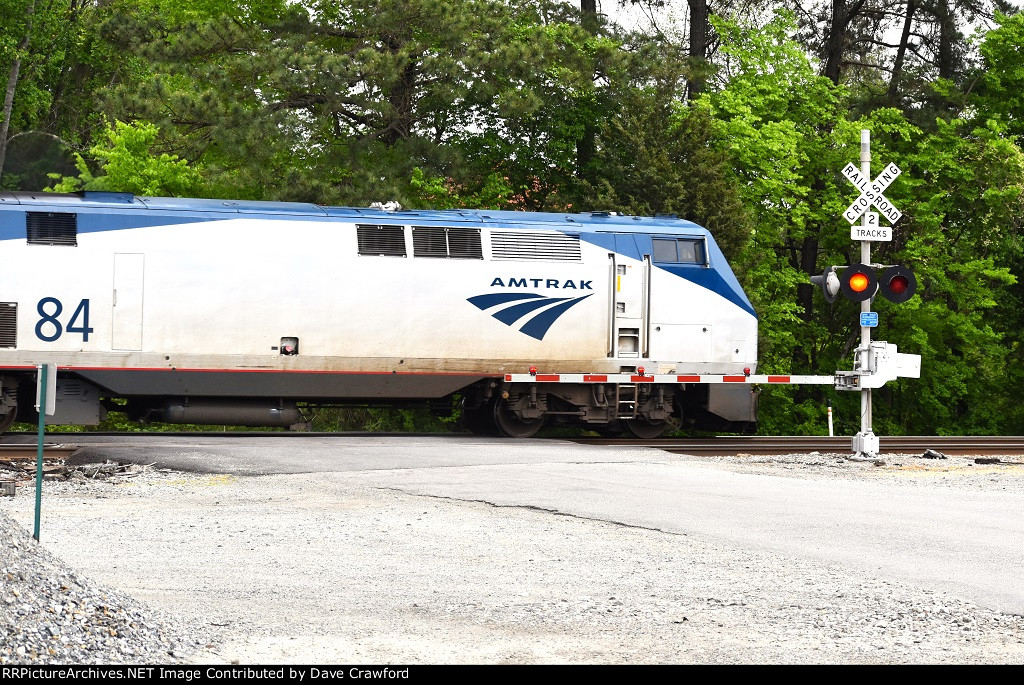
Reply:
x=964, y=225
x=652, y=156
x=444, y=193
x=129, y=165
x=1001, y=92
x=783, y=128
x=382, y=420
x=55, y=105
x=561, y=87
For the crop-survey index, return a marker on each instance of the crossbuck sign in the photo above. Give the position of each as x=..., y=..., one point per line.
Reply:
x=871, y=193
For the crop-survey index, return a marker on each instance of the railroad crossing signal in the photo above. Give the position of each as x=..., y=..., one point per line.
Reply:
x=871, y=194
x=860, y=282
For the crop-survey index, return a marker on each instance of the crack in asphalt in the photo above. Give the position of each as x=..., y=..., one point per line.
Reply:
x=532, y=507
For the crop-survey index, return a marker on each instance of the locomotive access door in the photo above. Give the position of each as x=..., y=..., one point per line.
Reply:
x=629, y=308
x=126, y=319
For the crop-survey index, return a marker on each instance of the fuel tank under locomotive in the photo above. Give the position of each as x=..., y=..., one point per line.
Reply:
x=79, y=403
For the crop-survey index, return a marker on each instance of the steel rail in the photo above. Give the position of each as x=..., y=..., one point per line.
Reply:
x=10, y=453
x=713, y=446
x=764, y=445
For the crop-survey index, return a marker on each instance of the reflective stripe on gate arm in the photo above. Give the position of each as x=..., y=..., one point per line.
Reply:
x=666, y=378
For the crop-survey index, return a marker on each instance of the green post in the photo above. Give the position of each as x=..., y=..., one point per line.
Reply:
x=39, y=449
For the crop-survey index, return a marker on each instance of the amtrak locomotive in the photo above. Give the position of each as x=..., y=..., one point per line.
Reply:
x=244, y=313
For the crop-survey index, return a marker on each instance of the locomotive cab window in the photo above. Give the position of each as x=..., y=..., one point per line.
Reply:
x=51, y=228
x=381, y=241
x=680, y=251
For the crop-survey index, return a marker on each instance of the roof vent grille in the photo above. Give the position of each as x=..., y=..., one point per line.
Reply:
x=546, y=246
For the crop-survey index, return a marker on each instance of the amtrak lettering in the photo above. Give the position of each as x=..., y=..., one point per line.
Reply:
x=548, y=283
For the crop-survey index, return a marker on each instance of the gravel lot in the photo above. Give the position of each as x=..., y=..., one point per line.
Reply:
x=292, y=569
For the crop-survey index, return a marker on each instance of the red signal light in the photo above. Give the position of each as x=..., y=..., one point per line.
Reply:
x=898, y=283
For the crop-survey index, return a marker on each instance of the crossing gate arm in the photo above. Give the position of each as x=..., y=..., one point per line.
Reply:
x=681, y=379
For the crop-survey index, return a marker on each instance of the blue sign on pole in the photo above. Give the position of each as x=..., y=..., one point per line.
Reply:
x=869, y=319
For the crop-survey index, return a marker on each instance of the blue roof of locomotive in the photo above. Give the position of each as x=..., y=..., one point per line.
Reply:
x=123, y=201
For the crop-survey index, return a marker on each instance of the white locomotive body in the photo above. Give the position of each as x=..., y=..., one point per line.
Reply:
x=211, y=311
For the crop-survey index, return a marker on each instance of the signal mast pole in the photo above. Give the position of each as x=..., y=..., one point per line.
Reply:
x=873, y=362
x=865, y=442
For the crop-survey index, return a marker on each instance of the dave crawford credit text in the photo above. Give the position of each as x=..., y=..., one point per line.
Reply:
x=191, y=674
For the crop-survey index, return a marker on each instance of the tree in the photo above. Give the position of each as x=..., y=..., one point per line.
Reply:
x=129, y=165
x=12, y=81
x=658, y=157
x=57, y=63
x=332, y=102
x=965, y=215
x=1000, y=91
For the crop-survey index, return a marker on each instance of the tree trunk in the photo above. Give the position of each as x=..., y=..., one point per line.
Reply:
x=835, y=40
x=808, y=265
x=586, y=146
x=833, y=49
x=947, y=37
x=588, y=15
x=12, y=85
x=401, y=98
x=699, y=30
x=901, y=52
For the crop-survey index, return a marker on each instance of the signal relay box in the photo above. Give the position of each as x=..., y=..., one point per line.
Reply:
x=876, y=365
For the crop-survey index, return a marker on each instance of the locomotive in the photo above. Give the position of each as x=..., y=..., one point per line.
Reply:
x=245, y=313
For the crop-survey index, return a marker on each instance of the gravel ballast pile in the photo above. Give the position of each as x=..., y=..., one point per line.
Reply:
x=51, y=615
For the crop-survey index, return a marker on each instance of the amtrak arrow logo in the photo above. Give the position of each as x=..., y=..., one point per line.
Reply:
x=509, y=308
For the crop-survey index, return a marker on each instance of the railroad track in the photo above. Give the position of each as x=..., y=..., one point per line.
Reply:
x=761, y=445
x=10, y=453
x=713, y=446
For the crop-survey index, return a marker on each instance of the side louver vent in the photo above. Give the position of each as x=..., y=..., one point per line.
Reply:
x=548, y=246
x=438, y=241
x=8, y=324
x=51, y=228
x=387, y=241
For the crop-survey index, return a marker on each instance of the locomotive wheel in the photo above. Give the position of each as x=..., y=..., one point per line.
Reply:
x=647, y=430
x=7, y=419
x=511, y=425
